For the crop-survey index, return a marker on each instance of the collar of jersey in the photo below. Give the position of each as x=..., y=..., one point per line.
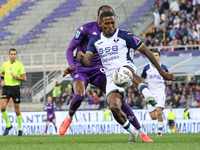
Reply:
x=111, y=35
x=13, y=62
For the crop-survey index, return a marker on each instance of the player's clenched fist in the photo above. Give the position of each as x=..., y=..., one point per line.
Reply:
x=68, y=70
x=80, y=55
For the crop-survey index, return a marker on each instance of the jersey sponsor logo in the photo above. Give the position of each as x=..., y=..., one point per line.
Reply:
x=77, y=34
x=81, y=28
x=109, y=51
x=116, y=40
x=94, y=33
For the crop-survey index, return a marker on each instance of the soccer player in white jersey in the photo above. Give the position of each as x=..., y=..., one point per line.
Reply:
x=157, y=88
x=113, y=46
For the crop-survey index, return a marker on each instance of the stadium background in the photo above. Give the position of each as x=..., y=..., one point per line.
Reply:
x=41, y=30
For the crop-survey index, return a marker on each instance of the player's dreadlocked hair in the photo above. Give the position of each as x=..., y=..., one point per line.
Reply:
x=100, y=8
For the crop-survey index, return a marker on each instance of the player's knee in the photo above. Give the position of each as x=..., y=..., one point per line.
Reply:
x=114, y=108
x=159, y=112
x=3, y=109
x=153, y=117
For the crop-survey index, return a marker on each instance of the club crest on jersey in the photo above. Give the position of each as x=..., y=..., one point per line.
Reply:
x=94, y=33
x=76, y=76
x=77, y=34
x=116, y=40
x=129, y=34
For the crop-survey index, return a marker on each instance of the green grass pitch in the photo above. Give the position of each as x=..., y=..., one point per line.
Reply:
x=173, y=141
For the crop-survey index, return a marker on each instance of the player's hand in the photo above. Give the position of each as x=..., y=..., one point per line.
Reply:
x=68, y=70
x=2, y=83
x=80, y=55
x=12, y=75
x=168, y=76
x=50, y=116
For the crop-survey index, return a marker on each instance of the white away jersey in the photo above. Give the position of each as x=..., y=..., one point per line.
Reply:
x=154, y=79
x=114, y=50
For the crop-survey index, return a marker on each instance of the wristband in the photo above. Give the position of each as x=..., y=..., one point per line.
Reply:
x=2, y=78
x=15, y=77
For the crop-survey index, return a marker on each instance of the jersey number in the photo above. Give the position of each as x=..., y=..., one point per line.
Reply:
x=108, y=49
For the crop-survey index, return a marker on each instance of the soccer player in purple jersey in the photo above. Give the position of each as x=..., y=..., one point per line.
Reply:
x=94, y=74
x=51, y=117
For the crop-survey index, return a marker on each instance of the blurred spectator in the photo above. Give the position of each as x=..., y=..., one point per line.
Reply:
x=186, y=114
x=56, y=90
x=106, y=114
x=95, y=98
x=70, y=86
x=168, y=91
x=102, y=102
x=58, y=101
x=197, y=96
x=182, y=102
x=156, y=16
x=176, y=102
x=194, y=103
x=129, y=101
x=174, y=6
x=189, y=100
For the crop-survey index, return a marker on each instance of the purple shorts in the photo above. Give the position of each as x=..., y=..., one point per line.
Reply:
x=53, y=119
x=95, y=76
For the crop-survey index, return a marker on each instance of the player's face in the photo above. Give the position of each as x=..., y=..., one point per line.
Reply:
x=49, y=99
x=108, y=25
x=13, y=55
x=157, y=56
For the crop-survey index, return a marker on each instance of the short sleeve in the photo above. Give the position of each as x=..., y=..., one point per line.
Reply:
x=2, y=68
x=132, y=41
x=144, y=73
x=164, y=68
x=91, y=47
x=22, y=70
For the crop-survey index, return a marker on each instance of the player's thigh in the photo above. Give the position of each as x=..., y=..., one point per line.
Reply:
x=48, y=122
x=98, y=78
x=15, y=94
x=79, y=87
x=160, y=99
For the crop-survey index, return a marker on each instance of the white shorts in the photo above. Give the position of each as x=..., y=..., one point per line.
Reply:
x=110, y=86
x=160, y=99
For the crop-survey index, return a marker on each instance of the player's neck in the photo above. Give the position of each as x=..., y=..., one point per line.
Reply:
x=12, y=61
x=108, y=36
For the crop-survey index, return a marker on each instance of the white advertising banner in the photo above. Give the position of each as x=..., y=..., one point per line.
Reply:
x=91, y=122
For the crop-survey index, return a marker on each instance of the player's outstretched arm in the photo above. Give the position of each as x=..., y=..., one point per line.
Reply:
x=167, y=76
x=84, y=59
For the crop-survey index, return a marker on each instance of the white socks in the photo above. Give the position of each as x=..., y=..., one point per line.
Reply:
x=128, y=127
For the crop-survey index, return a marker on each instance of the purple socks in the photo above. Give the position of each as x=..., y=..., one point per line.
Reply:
x=75, y=103
x=130, y=115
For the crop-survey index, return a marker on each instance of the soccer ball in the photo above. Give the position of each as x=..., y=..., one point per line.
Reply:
x=122, y=77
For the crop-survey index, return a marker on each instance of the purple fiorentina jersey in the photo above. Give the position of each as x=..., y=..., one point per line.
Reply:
x=50, y=107
x=80, y=41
